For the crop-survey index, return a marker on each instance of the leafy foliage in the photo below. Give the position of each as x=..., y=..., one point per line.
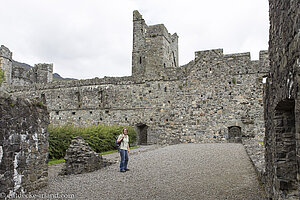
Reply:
x=1, y=76
x=101, y=138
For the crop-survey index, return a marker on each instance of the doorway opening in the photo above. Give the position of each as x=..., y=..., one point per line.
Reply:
x=234, y=134
x=142, y=138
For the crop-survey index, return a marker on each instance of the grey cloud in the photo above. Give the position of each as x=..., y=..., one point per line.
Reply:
x=85, y=39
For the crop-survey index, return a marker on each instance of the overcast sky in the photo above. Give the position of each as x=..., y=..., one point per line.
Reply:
x=93, y=38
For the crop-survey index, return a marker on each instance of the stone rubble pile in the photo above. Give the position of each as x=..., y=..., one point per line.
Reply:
x=80, y=158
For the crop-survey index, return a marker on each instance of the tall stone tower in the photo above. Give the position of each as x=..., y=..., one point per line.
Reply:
x=154, y=49
x=6, y=64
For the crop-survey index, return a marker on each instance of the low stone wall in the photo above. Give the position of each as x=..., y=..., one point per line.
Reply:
x=256, y=152
x=23, y=145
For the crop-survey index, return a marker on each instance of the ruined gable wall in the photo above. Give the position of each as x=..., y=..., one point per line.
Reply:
x=23, y=145
x=282, y=102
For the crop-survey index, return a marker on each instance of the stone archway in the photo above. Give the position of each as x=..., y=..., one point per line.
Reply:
x=142, y=134
x=234, y=134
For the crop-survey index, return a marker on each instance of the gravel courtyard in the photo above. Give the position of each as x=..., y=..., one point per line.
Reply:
x=184, y=171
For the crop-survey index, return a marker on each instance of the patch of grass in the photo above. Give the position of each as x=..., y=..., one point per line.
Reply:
x=108, y=152
x=114, y=151
x=261, y=143
x=55, y=161
x=38, y=104
x=135, y=147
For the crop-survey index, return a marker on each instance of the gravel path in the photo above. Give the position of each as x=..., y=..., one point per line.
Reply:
x=184, y=171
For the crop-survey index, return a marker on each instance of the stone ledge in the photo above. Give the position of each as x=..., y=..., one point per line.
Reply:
x=256, y=153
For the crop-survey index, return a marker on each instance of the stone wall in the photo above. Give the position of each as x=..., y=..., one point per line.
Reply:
x=23, y=145
x=282, y=107
x=207, y=97
x=198, y=102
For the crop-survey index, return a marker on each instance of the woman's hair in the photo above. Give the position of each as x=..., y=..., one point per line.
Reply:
x=124, y=130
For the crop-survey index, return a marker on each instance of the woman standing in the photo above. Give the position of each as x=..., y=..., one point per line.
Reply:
x=124, y=150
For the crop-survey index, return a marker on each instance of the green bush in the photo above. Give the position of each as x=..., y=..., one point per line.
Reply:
x=101, y=138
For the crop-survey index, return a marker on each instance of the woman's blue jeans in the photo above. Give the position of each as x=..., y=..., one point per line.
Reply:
x=124, y=159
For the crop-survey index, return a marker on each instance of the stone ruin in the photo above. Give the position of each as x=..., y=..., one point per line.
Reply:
x=213, y=98
x=23, y=145
x=19, y=75
x=80, y=158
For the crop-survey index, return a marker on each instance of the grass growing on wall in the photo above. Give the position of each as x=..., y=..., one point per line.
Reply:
x=101, y=138
x=1, y=76
x=261, y=143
